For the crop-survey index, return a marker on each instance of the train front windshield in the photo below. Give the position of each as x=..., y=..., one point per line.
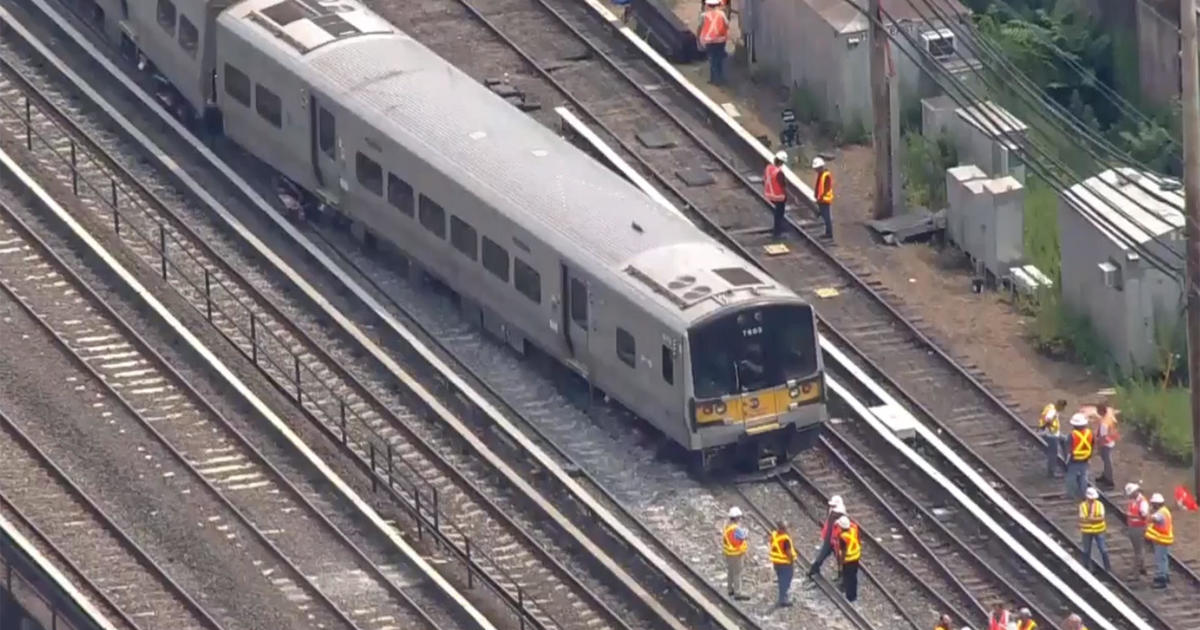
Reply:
x=753, y=349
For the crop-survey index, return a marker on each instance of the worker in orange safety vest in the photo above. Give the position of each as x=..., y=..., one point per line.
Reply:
x=849, y=551
x=711, y=35
x=783, y=559
x=1108, y=441
x=1048, y=428
x=1079, y=453
x=823, y=193
x=1160, y=532
x=1025, y=620
x=829, y=534
x=998, y=619
x=1136, y=515
x=1093, y=525
x=775, y=190
x=733, y=543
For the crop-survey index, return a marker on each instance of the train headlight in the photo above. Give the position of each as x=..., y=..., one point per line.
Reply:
x=721, y=408
x=794, y=393
x=707, y=410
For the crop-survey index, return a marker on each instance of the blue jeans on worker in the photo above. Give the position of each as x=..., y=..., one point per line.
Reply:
x=716, y=62
x=1087, y=551
x=1161, y=563
x=1053, y=448
x=826, y=218
x=783, y=575
x=824, y=552
x=1077, y=479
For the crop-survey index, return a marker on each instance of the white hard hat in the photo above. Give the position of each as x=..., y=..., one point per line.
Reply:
x=1024, y=612
x=1091, y=493
x=735, y=512
x=782, y=156
x=1156, y=498
x=712, y=3
x=843, y=522
x=835, y=500
x=818, y=162
x=1130, y=488
x=1078, y=420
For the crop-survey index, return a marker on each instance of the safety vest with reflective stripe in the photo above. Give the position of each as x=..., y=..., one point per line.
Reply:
x=1081, y=444
x=998, y=621
x=1161, y=533
x=1135, y=514
x=1048, y=421
x=1028, y=624
x=715, y=27
x=851, y=545
x=773, y=184
x=1091, y=517
x=824, y=189
x=733, y=546
x=778, y=555
x=1110, y=428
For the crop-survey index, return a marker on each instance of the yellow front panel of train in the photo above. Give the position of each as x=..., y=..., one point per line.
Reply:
x=757, y=405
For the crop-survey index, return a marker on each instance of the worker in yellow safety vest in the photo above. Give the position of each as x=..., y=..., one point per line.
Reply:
x=1160, y=533
x=823, y=193
x=1092, y=525
x=849, y=550
x=1073, y=622
x=783, y=558
x=733, y=542
x=1025, y=620
x=1079, y=453
x=713, y=31
x=1048, y=428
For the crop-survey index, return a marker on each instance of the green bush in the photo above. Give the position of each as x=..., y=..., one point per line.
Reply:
x=1063, y=334
x=1041, y=228
x=1162, y=415
x=923, y=164
x=854, y=132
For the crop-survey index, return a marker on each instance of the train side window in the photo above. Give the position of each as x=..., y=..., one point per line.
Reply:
x=579, y=304
x=327, y=133
x=495, y=258
x=189, y=37
x=237, y=85
x=166, y=15
x=432, y=216
x=527, y=280
x=626, y=347
x=369, y=173
x=463, y=237
x=124, y=9
x=668, y=366
x=400, y=194
x=268, y=105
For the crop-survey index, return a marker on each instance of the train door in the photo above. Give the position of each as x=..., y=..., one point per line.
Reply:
x=575, y=316
x=324, y=149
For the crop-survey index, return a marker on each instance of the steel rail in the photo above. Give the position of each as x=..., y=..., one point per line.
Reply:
x=206, y=406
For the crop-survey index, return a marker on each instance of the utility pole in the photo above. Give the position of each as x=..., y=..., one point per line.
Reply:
x=1191, y=190
x=881, y=106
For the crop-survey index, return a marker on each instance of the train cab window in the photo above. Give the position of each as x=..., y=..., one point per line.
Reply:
x=166, y=15
x=432, y=216
x=668, y=366
x=400, y=194
x=327, y=137
x=125, y=9
x=579, y=302
x=527, y=280
x=463, y=237
x=268, y=105
x=495, y=258
x=237, y=85
x=369, y=174
x=626, y=347
x=189, y=37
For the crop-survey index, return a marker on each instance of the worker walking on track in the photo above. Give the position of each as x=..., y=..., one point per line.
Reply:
x=823, y=192
x=1025, y=620
x=829, y=535
x=1136, y=515
x=943, y=623
x=1108, y=441
x=998, y=619
x=733, y=540
x=849, y=551
x=1160, y=532
x=1073, y=622
x=1079, y=453
x=713, y=31
x=775, y=190
x=1048, y=428
x=783, y=558
x=1092, y=525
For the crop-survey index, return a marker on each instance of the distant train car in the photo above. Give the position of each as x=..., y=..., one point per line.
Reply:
x=546, y=248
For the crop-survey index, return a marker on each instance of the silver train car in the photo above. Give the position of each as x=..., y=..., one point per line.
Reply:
x=546, y=248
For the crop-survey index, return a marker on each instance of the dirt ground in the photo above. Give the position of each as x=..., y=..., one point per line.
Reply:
x=933, y=282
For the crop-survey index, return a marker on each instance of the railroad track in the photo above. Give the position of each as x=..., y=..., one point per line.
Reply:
x=419, y=463
x=311, y=548
x=560, y=50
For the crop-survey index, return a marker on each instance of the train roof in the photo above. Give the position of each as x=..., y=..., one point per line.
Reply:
x=553, y=190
